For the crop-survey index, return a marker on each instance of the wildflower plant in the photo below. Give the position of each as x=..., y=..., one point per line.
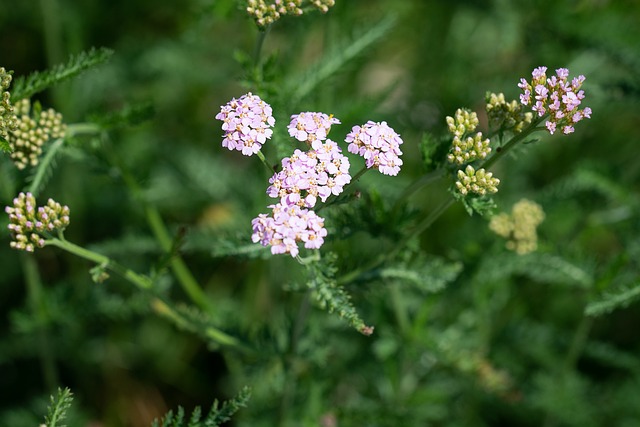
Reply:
x=309, y=273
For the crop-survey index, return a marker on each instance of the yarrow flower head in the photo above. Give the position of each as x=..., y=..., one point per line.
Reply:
x=519, y=227
x=556, y=97
x=33, y=131
x=287, y=226
x=247, y=123
x=478, y=181
x=8, y=119
x=30, y=225
x=267, y=12
x=306, y=176
x=506, y=115
x=379, y=144
x=311, y=126
x=465, y=149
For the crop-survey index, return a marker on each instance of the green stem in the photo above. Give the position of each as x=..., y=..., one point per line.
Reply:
x=140, y=281
x=501, y=151
x=257, y=51
x=180, y=270
x=344, y=190
x=83, y=128
x=418, y=184
x=264, y=162
x=34, y=187
x=38, y=308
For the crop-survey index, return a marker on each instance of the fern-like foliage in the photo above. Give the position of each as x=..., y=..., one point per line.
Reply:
x=427, y=275
x=335, y=60
x=25, y=87
x=58, y=407
x=331, y=296
x=613, y=300
x=218, y=414
x=5, y=146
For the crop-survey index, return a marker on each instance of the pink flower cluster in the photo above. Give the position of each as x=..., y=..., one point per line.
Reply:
x=556, y=97
x=305, y=176
x=378, y=144
x=286, y=226
x=246, y=123
x=310, y=127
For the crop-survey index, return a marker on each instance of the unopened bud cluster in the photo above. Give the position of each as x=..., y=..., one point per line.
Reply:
x=267, y=12
x=32, y=132
x=519, y=227
x=29, y=224
x=466, y=148
x=8, y=120
x=479, y=182
x=506, y=115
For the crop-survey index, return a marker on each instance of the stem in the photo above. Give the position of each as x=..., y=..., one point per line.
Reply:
x=264, y=162
x=344, y=189
x=38, y=308
x=159, y=229
x=83, y=128
x=533, y=127
x=418, y=184
x=257, y=51
x=140, y=281
x=44, y=166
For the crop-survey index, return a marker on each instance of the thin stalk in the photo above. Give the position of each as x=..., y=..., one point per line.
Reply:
x=34, y=187
x=418, y=184
x=533, y=127
x=257, y=50
x=138, y=280
x=159, y=229
x=264, y=161
x=344, y=189
x=38, y=309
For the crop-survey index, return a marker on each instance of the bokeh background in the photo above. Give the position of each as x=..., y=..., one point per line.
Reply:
x=502, y=345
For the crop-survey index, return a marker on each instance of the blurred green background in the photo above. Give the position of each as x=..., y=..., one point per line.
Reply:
x=186, y=58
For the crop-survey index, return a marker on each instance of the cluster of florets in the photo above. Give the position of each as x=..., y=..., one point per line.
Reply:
x=479, y=182
x=286, y=226
x=32, y=132
x=556, y=98
x=247, y=123
x=306, y=176
x=465, y=149
x=506, y=115
x=379, y=144
x=519, y=227
x=8, y=119
x=309, y=127
x=267, y=12
x=29, y=224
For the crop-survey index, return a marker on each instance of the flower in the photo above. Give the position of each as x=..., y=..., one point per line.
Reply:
x=307, y=176
x=506, y=115
x=555, y=97
x=30, y=225
x=246, y=122
x=519, y=227
x=32, y=133
x=463, y=121
x=311, y=126
x=479, y=182
x=287, y=226
x=378, y=144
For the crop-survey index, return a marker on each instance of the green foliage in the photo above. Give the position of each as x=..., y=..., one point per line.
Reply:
x=44, y=171
x=613, y=300
x=332, y=296
x=336, y=59
x=218, y=414
x=26, y=87
x=5, y=146
x=58, y=407
x=129, y=115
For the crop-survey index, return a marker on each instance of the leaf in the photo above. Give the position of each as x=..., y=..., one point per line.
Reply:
x=58, y=407
x=25, y=87
x=129, y=115
x=5, y=146
x=44, y=170
x=611, y=301
x=335, y=59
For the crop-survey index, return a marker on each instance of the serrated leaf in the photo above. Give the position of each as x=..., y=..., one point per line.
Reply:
x=5, y=146
x=613, y=300
x=25, y=87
